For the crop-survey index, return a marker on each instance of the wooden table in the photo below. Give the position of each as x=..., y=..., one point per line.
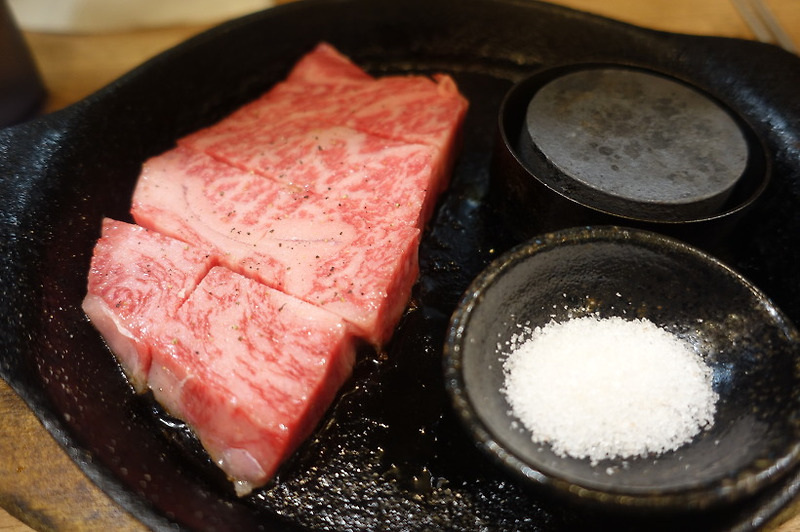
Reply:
x=36, y=476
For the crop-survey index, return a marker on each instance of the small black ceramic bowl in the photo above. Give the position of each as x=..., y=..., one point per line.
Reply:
x=749, y=345
x=612, y=144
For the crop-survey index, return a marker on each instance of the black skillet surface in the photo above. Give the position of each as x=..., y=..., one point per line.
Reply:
x=391, y=455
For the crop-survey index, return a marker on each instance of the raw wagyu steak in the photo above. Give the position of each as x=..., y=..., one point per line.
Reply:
x=269, y=244
x=343, y=235
x=251, y=369
x=326, y=89
x=138, y=278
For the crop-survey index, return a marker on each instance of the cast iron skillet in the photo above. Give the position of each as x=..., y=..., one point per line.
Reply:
x=390, y=455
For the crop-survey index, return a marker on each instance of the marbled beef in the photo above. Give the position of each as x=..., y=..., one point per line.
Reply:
x=408, y=109
x=138, y=278
x=249, y=368
x=341, y=231
x=266, y=245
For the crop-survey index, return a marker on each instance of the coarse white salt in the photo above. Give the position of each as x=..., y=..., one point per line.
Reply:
x=602, y=388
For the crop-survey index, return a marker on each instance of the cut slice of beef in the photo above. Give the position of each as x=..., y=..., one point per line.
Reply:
x=251, y=370
x=138, y=278
x=411, y=109
x=339, y=230
x=339, y=162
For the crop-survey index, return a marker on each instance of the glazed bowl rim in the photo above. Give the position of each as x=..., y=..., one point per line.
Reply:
x=709, y=494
